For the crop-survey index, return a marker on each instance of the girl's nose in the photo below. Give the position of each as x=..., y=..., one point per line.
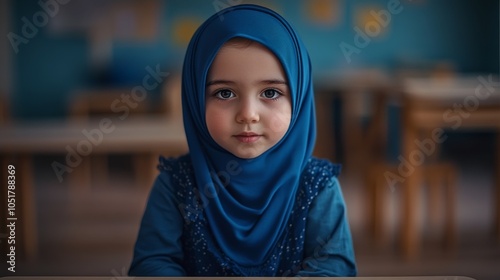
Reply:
x=247, y=112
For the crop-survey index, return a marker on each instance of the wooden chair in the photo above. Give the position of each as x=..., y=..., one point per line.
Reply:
x=171, y=97
x=438, y=179
x=102, y=103
x=25, y=210
x=4, y=109
x=171, y=109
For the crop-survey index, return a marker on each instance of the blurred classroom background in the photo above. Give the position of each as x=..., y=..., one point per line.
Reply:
x=408, y=100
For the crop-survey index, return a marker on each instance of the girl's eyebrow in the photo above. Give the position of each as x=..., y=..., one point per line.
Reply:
x=267, y=82
x=274, y=82
x=219, y=82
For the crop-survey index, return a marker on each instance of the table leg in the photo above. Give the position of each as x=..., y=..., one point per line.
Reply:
x=410, y=232
x=99, y=170
x=353, y=139
x=25, y=210
x=145, y=169
x=410, y=235
x=325, y=140
x=3, y=204
x=379, y=193
x=434, y=187
x=451, y=194
x=497, y=187
x=376, y=132
x=80, y=179
x=28, y=219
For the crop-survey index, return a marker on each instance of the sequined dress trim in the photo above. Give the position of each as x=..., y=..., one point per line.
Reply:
x=202, y=255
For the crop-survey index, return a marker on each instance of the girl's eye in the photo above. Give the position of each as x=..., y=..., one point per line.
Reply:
x=271, y=94
x=224, y=94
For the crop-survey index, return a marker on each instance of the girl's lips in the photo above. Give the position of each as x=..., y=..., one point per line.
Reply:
x=247, y=137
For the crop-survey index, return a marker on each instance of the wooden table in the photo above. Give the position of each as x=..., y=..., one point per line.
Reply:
x=246, y=278
x=364, y=94
x=463, y=103
x=20, y=141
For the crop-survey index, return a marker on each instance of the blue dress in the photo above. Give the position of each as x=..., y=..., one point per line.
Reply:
x=175, y=238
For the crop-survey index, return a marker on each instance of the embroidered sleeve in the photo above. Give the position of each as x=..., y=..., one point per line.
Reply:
x=328, y=246
x=158, y=249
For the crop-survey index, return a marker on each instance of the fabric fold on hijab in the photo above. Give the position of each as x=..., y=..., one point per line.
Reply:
x=248, y=201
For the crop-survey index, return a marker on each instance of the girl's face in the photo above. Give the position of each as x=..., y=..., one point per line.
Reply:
x=248, y=102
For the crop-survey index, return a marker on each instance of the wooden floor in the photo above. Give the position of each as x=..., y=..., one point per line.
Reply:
x=94, y=233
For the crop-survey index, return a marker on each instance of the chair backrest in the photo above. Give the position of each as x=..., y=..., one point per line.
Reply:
x=106, y=103
x=4, y=108
x=171, y=97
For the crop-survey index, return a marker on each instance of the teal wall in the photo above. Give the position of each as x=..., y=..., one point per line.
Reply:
x=49, y=68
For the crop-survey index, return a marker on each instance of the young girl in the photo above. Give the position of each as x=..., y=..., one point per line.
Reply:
x=249, y=199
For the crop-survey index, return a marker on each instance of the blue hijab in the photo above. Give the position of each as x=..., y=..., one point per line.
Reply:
x=247, y=202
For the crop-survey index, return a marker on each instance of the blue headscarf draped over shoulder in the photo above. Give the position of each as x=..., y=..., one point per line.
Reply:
x=248, y=201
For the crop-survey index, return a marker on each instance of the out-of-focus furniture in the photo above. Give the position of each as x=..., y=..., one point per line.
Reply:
x=250, y=278
x=115, y=103
x=171, y=100
x=4, y=108
x=363, y=96
x=22, y=140
x=440, y=182
x=121, y=105
x=107, y=102
x=430, y=106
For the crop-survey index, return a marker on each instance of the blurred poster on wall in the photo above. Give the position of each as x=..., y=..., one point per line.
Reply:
x=324, y=12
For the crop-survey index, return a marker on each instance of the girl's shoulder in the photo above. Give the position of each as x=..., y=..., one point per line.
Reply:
x=318, y=175
x=176, y=175
x=322, y=167
x=176, y=165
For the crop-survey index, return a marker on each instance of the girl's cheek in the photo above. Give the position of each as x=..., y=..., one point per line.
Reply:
x=280, y=123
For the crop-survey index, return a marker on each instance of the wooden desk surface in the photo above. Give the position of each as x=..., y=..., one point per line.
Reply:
x=459, y=103
x=134, y=134
x=249, y=278
x=454, y=89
